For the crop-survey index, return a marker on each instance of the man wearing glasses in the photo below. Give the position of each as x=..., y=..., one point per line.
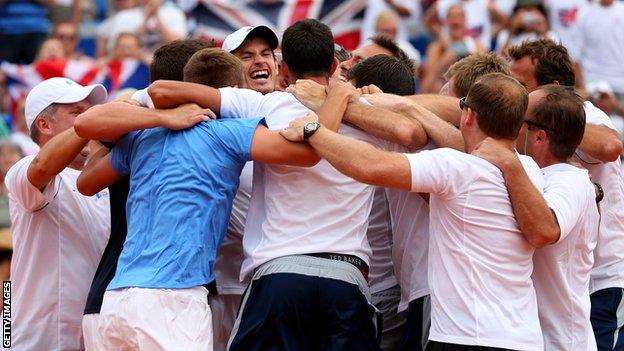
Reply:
x=553, y=129
x=480, y=264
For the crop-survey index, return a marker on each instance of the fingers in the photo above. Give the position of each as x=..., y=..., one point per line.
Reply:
x=208, y=112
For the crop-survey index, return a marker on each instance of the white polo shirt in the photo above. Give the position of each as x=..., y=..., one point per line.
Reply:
x=379, y=233
x=298, y=210
x=410, y=229
x=608, y=271
x=230, y=253
x=58, y=239
x=561, y=273
x=480, y=264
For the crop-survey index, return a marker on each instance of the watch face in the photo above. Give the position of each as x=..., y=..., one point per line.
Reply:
x=309, y=129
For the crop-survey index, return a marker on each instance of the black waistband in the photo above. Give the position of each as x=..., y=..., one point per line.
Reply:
x=354, y=260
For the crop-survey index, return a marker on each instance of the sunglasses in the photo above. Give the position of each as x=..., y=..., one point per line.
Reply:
x=463, y=104
x=65, y=37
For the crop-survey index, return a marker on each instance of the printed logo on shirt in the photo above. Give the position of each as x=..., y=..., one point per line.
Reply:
x=567, y=17
x=101, y=195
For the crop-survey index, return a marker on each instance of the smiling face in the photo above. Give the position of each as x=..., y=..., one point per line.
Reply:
x=260, y=67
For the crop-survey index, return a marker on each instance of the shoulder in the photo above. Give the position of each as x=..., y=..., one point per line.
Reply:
x=19, y=168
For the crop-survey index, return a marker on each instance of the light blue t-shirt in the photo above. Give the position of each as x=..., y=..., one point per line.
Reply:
x=182, y=184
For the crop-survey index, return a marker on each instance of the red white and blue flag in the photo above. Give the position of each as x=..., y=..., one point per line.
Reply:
x=218, y=18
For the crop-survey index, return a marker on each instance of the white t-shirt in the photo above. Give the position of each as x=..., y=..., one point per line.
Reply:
x=561, y=273
x=379, y=233
x=602, y=43
x=130, y=20
x=230, y=254
x=564, y=17
x=608, y=271
x=410, y=233
x=375, y=7
x=478, y=23
x=480, y=264
x=298, y=210
x=58, y=239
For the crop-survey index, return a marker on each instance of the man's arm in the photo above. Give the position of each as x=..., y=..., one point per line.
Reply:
x=601, y=142
x=270, y=147
x=445, y=107
x=169, y=94
x=108, y=122
x=54, y=156
x=535, y=219
x=356, y=159
x=98, y=175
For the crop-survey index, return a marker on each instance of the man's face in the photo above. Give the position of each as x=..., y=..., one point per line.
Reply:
x=68, y=35
x=361, y=53
x=64, y=119
x=524, y=71
x=260, y=68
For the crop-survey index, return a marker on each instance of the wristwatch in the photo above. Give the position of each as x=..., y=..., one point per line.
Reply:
x=309, y=129
x=599, y=192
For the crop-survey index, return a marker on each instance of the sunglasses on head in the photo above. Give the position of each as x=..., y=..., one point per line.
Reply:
x=463, y=104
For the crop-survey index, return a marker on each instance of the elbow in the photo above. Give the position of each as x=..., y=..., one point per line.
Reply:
x=612, y=150
x=84, y=187
x=545, y=238
x=310, y=161
x=157, y=91
x=83, y=125
x=408, y=136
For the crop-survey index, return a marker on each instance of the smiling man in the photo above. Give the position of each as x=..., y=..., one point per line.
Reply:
x=254, y=47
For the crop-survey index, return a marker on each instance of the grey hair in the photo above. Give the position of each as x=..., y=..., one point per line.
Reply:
x=48, y=113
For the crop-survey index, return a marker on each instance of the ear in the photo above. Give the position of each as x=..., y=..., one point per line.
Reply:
x=44, y=126
x=334, y=66
x=286, y=73
x=471, y=117
x=541, y=136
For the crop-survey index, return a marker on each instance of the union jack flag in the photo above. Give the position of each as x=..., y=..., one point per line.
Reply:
x=218, y=18
x=567, y=17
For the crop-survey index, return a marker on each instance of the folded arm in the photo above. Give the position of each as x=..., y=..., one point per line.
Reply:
x=169, y=94
x=601, y=143
x=98, y=174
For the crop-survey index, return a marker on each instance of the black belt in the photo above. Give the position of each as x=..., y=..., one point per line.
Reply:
x=354, y=260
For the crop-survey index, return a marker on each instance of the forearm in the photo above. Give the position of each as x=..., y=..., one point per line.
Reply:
x=108, y=122
x=445, y=107
x=601, y=143
x=535, y=219
x=362, y=161
x=54, y=156
x=168, y=94
x=387, y=125
x=441, y=133
x=331, y=112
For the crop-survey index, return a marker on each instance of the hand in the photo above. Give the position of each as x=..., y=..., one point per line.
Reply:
x=294, y=131
x=185, y=116
x=388, y=101
x=345, y=88
x=150, y=8
x=370, y=89
x=494, y=152
x=309, y=93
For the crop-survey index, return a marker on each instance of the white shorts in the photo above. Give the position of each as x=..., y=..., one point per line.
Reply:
x=224, y=309
x=92, y=340
x=156, y=319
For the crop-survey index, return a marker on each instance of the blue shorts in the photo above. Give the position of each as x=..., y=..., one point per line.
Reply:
x=607, y=318
x=416, y=332
x=302, y=303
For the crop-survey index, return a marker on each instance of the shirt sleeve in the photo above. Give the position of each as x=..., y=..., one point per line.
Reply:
x=566, y=204
x=237, y=136
x=23, y=192
x=431, y=172
x=120, y=154
x=142, y=97
x=240, y=103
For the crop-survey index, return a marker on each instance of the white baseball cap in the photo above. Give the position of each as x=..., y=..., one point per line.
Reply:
x=597, y=87
x=234, y=40
x=61, y=91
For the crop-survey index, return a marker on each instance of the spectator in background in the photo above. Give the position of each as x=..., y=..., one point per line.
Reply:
x=564, y=18
x=388, y=24
x=442, y=53
x=23, y=28
x=154, y=22
x=67, y=33
x=602, y=40
x=602, y=96
x=127, y=46
x=409, y=12
x=51, y=50
x=527, y=22
x=10, y=153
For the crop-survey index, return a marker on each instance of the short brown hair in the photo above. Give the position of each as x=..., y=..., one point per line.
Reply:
x=562, y=116
x=467, y=70
x=394, y=49
x=170, y=59
x=552, y=61
x=500, y=103
x=388, y=73
x=215, y=68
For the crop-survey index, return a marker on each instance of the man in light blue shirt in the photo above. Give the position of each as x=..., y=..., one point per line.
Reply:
x=182, y=183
